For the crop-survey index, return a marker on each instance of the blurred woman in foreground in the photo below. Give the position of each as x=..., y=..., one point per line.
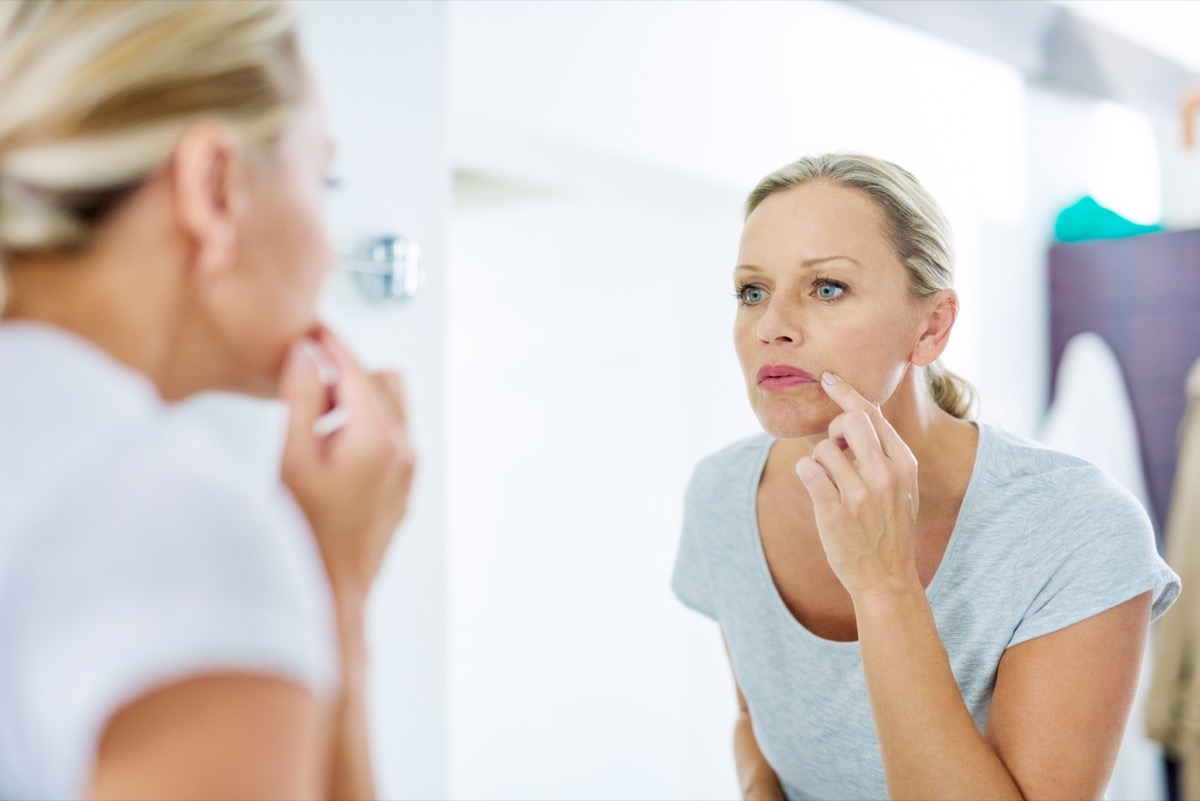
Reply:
x=169, y=628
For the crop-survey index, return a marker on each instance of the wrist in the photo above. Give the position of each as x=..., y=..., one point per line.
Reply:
x=887, y=599
x=350, y=611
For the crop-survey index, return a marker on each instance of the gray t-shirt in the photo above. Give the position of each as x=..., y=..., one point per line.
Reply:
x=1042, y=540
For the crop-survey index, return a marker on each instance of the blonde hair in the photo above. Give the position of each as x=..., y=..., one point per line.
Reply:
x=918, y=230
x=94, y=95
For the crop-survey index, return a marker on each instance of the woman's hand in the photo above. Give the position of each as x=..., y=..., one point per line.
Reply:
x=863, y=483
x=353, y=482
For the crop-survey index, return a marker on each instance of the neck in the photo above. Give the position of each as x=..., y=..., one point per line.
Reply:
x=124, y=292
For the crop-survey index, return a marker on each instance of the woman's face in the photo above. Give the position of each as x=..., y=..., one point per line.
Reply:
x=283, y=250
x=820, y=288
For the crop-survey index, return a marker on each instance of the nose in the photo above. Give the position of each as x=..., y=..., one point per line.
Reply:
x=779, y=323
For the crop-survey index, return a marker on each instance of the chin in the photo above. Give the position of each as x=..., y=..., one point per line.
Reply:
x=259, y=382
x=268, y=389
x=788, y=419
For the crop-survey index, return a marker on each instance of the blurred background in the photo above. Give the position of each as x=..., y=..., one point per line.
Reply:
x=574, y=173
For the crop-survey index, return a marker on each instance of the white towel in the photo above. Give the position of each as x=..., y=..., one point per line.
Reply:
x=1092, y=418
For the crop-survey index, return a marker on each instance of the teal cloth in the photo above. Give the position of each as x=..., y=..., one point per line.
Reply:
x=1086, y=219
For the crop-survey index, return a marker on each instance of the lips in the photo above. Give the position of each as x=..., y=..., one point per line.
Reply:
x=783, y=376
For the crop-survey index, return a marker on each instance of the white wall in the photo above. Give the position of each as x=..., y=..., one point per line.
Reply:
x=606, y=148
x=574, y=377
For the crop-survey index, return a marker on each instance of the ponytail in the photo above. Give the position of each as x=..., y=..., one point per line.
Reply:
x=952, y=393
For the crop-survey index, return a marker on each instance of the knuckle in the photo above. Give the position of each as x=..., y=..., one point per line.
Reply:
x=806, y=468
x=856, y=496
x=825, y=449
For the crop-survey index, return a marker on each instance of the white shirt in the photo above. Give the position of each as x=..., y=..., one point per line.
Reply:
x=132, y=555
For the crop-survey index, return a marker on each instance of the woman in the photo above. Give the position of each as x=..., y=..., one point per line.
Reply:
x=170, y=629
x=971, y=631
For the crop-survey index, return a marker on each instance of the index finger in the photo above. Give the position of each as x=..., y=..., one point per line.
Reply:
x=344, y=361
x=846, y=396
x=850, y=400
x=353, y=387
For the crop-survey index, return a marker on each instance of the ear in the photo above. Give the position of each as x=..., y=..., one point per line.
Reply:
x=209, y=177
x=937, y=315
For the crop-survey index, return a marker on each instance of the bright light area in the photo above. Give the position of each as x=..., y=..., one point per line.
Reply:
x=1168, y=27
x=1124, y=174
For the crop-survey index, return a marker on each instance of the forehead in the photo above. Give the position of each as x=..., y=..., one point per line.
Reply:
x=309, y=128
x=306, y=135
x=815, y=221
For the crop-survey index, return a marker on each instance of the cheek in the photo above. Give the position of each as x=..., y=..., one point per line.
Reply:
x=303, y=253
x=873, y=362
x=745, y=336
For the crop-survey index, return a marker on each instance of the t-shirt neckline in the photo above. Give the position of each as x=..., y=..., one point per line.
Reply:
x=964, y=510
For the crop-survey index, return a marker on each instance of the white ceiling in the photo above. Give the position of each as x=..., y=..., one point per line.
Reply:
x=1170, y=28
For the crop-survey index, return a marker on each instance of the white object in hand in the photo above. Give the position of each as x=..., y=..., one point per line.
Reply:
x=327, y=373
x=331, y=421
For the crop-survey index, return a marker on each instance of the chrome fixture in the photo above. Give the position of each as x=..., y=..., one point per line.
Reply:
x=388, y=268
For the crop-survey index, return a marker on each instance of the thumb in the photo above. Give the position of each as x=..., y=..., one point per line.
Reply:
x=306, y=397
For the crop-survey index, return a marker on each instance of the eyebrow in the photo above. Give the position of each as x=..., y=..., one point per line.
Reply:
x=806, y=264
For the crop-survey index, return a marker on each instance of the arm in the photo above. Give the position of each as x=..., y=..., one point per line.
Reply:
x=350, y=764
x=226, y=735
x=1057, y=715
x=757, y=780
x=1058, y=730
x=353, y=486
x=222, y=736
x=1058, y=711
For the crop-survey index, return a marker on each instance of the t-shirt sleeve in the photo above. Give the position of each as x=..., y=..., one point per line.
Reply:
x=690, y=582
x=1088, y=547
x=165, y=571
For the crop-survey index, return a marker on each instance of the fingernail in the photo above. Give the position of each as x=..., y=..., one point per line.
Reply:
x=829, y=378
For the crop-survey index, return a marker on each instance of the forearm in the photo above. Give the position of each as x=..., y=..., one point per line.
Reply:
x=930, y=745
x=756, y=779
x=350, y=769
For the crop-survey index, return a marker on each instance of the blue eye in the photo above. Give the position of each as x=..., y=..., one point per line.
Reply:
x=751, y=295
x=829, y=290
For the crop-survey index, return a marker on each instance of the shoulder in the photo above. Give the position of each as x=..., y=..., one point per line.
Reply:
x=1014, y=457
x=731, y=464
x=171, y=492
x=1078, y=542
x=719, y=495
x=133, y=546
x=1049, y=484
x=166, y=530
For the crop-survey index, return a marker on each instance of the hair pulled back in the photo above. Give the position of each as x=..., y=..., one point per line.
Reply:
x=95, y=94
